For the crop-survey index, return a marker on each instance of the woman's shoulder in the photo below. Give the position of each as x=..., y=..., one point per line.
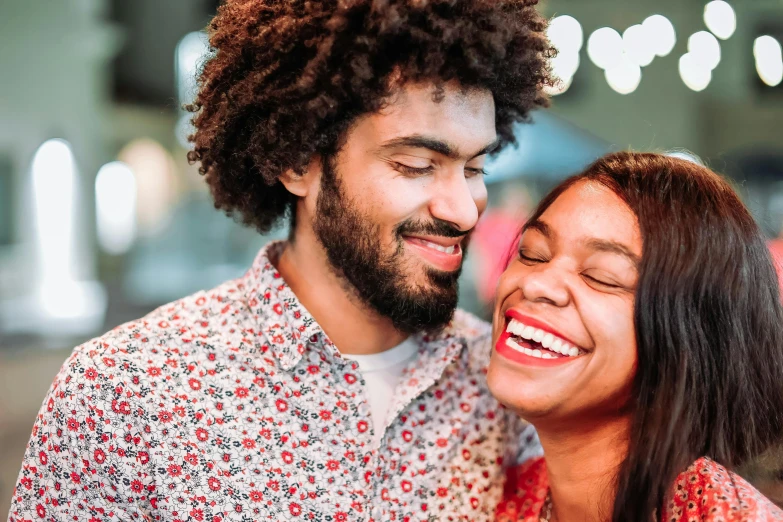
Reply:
x=525, y=492
x=709, y=491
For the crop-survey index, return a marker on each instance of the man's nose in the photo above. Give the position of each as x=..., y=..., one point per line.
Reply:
x=455, y=203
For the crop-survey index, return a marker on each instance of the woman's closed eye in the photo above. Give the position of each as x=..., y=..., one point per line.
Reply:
x=604, y=281
x=601, y=281
x=529, y=257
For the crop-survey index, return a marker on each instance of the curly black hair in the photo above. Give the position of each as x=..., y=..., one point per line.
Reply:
x=286, y=78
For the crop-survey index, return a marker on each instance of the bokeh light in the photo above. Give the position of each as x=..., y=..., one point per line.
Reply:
x=192, y=50
x=115, y=206
x=705, y=49
x=62, y=293
x=769, y=60
x=720, y=18
x=605, y=47
x=625, y=76
x=661, y=33
x=639, y=46
x=54, y=180
x=565, y=33
x=156, y=190
x=694, y=73
x=560, y=87
x=565, y=64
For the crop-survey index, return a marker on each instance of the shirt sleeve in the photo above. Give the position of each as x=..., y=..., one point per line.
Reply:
x=77, y=465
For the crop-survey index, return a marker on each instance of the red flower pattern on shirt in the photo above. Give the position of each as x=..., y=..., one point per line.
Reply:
x=233, y=404
x=705, y=492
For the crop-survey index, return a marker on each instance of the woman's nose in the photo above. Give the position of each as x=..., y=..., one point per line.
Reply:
x=545, y=285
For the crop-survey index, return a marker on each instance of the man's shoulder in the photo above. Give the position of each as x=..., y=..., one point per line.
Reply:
x=174, y=330
x=470, y=327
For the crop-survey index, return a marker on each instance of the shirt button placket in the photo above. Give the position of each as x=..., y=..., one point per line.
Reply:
x=361, y=428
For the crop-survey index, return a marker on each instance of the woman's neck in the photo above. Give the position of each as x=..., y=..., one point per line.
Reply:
x=582, y=464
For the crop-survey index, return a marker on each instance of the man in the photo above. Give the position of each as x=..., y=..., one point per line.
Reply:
x=334, y=380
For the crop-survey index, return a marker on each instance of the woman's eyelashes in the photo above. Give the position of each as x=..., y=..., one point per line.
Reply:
x=596, y=280
x=602, y=281
x=609, y=281
x=531, y=258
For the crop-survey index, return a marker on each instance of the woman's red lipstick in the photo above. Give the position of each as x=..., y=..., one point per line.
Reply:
x=504, y=349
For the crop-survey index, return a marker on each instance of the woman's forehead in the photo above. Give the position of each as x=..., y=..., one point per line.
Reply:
x=589, y=211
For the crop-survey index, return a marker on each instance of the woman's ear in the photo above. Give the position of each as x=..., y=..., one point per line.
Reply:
x=306, y=183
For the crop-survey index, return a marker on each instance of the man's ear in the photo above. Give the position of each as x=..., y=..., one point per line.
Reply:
x=304, y=184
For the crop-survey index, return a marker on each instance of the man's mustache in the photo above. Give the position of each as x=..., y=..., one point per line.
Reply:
x=436, y=227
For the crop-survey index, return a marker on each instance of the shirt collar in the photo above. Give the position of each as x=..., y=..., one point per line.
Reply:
x=289, y=327
x=283, y=320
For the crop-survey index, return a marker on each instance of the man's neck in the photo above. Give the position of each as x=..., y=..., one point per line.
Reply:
x=351, y=325
x=582, y=466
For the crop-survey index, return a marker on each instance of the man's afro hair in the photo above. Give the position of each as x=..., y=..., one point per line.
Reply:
x=286, y=78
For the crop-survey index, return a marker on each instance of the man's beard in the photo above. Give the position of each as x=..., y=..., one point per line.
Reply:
x=354, y=247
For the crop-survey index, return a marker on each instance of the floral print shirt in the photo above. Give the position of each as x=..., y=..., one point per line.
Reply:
x=233, y=405
x=705, y=492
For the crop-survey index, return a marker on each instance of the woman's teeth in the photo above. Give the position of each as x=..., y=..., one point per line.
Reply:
x=546, y=339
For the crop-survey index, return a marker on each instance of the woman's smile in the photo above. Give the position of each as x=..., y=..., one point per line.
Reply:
x=529, y=341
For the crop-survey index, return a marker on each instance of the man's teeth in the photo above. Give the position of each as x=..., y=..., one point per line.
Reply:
x=440, y=248
x=546, y=339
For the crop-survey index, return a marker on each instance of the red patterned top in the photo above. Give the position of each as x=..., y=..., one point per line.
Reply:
x=705, y=492
x=233, y=404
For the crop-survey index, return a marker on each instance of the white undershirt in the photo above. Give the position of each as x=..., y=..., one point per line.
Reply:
x=381, y=372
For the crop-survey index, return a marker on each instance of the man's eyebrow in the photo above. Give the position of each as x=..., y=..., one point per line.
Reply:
x=490, y=148
x=435, y=145
x=613, y=247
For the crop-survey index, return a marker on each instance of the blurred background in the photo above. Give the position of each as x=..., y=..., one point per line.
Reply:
x=102, y=219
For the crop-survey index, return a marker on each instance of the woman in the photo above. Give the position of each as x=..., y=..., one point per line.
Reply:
x=639, y=329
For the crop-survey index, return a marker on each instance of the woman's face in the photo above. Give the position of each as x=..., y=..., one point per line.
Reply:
x=563, y=337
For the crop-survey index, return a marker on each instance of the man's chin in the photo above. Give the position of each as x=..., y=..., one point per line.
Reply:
x=426, y=307
x=433, y=286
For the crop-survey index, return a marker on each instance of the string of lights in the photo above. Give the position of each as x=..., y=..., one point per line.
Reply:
x=622, y=57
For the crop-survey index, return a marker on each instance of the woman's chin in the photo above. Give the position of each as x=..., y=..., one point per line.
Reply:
x=527, y=399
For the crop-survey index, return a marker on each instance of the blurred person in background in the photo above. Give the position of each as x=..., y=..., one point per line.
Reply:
x=776, y=249
x=494, y=239
x=335, y=377
x=639, y=329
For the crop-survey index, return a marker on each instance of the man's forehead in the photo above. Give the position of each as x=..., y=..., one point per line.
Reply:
x=463, y=118
x=425, y=101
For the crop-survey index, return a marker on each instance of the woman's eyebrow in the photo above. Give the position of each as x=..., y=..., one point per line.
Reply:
x=541, y=227
x=595, y=244
x=613, y=247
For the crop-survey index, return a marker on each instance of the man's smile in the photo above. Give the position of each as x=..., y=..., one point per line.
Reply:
x=443, y=253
